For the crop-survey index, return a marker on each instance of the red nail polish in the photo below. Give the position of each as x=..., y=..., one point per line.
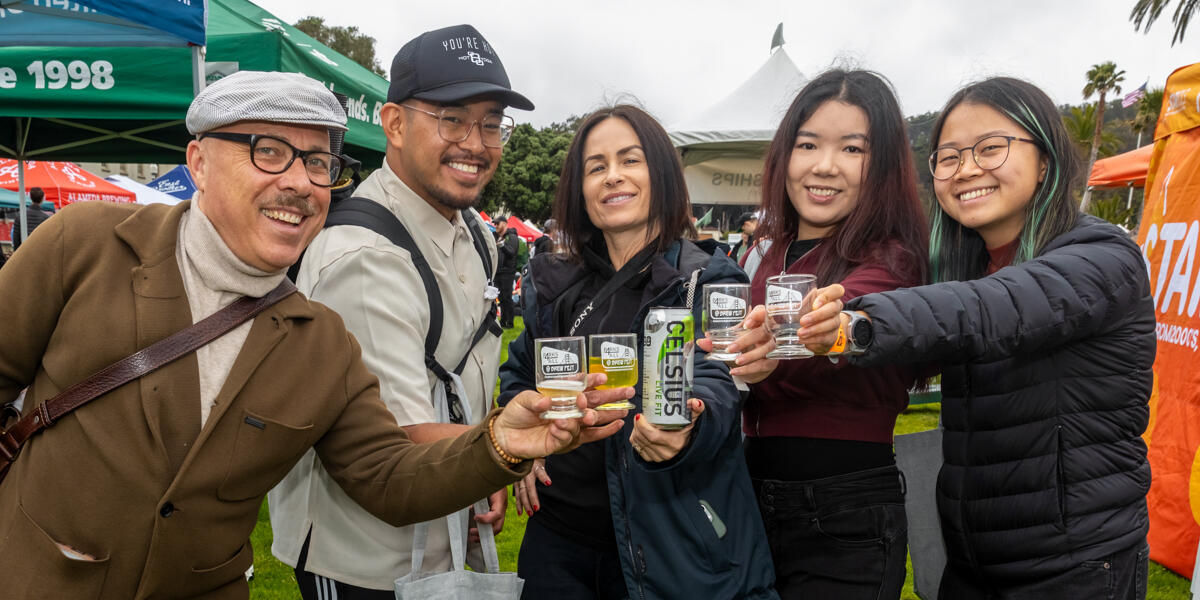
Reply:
x=637, y=417
x=548, y=484
x=535, y=508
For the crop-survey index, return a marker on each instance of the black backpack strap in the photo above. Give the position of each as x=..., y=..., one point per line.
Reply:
x=361, y=212
x=371, y=215
x=481, y=241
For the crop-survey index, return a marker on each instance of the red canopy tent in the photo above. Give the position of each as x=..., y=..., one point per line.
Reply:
x=523, y=230
x=1122, y=170
x=63, y=182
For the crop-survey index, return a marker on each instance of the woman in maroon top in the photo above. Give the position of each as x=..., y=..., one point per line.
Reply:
x=840, y=202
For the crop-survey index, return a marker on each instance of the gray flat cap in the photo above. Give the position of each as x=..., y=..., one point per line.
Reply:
x=265, y=96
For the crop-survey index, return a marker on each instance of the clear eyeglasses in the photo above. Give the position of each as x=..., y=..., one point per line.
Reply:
x=455, y=125
x=273, y=155
x=989, y=153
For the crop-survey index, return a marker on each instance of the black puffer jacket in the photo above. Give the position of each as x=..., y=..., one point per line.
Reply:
x=1045, y=387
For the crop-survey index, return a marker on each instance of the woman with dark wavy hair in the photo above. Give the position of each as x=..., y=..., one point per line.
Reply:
x=1043, y=320
x=655, y=513
x=840, y=202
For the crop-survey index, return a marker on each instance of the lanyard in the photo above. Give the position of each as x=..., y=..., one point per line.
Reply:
x=619, y=279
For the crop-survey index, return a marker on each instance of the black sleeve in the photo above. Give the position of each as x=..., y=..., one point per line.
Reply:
x=1069, y=293
x=507, y=247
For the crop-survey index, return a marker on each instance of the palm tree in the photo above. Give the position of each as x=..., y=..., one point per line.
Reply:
x=1080, y=122
x=1101, y=79
x=1147, y=11
x=1148, y=107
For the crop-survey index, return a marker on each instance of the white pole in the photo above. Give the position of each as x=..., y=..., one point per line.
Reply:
x=21, y=199
x=198, y=74
x=1129, y=202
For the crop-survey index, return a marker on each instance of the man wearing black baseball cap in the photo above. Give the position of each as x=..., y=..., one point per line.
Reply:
x=746, y=223
x=446, y=129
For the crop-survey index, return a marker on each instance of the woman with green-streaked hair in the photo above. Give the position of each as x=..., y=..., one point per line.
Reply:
x=1043, y=320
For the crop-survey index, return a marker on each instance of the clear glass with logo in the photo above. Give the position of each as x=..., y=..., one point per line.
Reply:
x=788, y=298
x=560, y=374
x=615, y=355
x=725, y=307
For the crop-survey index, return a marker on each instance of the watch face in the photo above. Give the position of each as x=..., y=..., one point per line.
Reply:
x=862, y=333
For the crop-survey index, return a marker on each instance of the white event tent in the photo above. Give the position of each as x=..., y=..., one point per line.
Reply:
x=723, y=147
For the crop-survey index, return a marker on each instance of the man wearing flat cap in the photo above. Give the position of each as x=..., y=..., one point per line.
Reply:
x=446, y=127
x=152, y=490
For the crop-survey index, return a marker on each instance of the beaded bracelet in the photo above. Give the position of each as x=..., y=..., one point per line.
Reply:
x=506, y=457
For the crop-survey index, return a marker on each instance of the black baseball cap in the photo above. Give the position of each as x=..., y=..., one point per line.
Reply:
x=448, y=64
x=749, y=216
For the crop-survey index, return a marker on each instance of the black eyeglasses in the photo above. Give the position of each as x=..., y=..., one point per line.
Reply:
x=455, y=125
x=989, y=153
x=273, y=155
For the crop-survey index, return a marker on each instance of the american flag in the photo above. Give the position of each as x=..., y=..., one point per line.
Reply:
x=1132, y=97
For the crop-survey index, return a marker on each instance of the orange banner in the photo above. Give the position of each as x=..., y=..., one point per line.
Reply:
x=1169, y=234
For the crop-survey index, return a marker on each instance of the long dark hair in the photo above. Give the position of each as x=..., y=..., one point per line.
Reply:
x=889, y=207
x=959, y=253
x=670, y=208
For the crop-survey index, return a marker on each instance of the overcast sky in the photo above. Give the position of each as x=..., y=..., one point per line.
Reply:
x=678, y=57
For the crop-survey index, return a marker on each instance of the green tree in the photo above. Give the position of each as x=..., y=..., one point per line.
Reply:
x=1080, y=122
x=1148, y=107
x=1114, y=208
x=568, y=127
x=1145, y=12
x=358, y=47
x=527, y=177
x=1101, y=79
x=920, y=127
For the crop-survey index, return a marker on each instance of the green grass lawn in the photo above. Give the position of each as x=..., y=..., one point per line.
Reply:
x=275, y=580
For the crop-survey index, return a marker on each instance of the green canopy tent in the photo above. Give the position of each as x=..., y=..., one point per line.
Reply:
x=9, y=199
x=127, y=104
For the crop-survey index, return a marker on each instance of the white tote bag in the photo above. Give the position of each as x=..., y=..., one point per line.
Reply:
x=458, y=582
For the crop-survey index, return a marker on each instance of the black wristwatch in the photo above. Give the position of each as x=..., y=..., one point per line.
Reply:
x=859, y=333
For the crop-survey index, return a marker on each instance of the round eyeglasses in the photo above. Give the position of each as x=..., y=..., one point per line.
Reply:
x=989, y=153
x=273, y=155
x=455, y=125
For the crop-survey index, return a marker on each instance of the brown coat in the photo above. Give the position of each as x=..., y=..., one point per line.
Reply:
x=167, y=514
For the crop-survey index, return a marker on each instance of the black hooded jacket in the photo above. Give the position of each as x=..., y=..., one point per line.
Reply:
x=1047, y=374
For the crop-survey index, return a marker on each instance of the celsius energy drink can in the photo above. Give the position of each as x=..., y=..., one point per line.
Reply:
x=668, y=347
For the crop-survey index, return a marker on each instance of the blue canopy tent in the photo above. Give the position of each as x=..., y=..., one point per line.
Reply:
x=176, y=182
x=90, y=23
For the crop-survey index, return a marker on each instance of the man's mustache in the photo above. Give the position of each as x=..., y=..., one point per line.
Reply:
x=304, y=206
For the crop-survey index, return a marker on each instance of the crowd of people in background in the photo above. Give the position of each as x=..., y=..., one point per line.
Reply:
x=357, y=424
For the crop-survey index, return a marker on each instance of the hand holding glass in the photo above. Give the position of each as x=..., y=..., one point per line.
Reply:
x=725, y=307
x=789, y=297
x=560, y=374
x=615, y=355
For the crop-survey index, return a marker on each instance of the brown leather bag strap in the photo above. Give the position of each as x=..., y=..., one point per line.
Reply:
x=134, y=366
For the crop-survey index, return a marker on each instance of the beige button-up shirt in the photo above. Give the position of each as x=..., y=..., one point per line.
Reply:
x=376, y=289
